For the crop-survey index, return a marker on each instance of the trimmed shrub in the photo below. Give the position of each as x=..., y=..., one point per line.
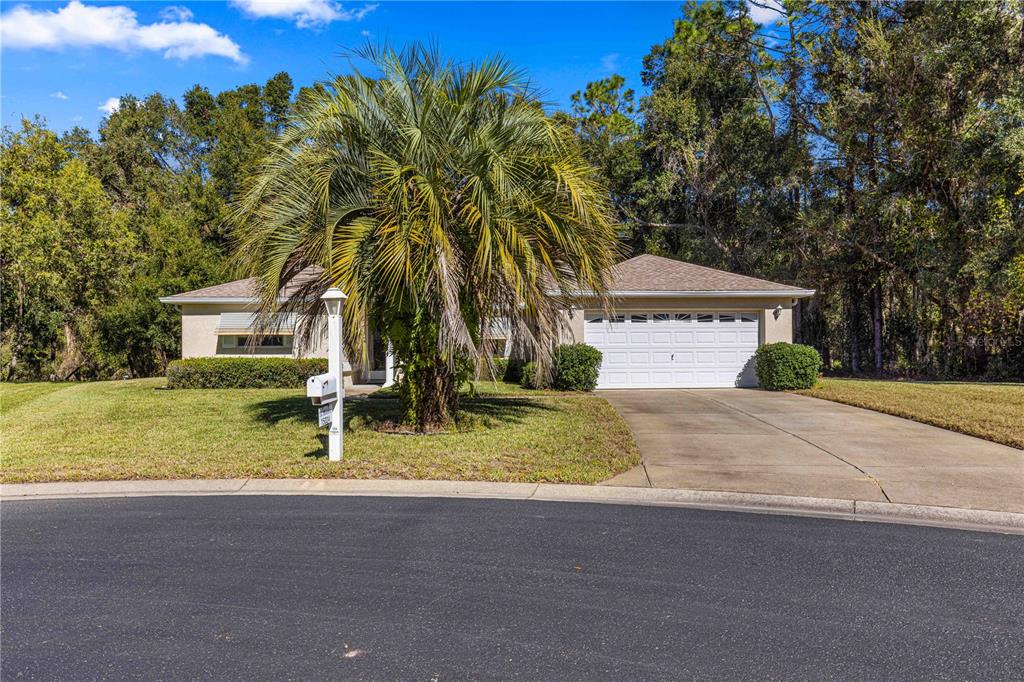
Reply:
x=243, y=372
x=529, y=377
x=576, y=367
x=787, y=366
x=500, y=368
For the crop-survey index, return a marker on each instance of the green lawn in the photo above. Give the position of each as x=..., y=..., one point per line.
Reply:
x=136, y=430
x=991, y=411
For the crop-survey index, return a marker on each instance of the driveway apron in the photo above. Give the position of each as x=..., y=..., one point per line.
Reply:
x=754, y=441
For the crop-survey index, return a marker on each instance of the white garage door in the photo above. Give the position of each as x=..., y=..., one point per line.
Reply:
x=674, y=350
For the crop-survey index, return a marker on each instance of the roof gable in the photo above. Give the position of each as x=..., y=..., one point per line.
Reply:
x=243, y=290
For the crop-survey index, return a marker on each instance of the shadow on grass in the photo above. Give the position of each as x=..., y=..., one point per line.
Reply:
x=498, y=411
x=474, y=415
x=321, y=451
x=503, y=410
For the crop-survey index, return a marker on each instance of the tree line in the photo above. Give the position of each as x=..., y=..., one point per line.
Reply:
x=871, y=150
x=97, y=229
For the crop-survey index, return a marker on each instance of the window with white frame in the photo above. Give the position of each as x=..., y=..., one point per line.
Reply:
x=270, y=341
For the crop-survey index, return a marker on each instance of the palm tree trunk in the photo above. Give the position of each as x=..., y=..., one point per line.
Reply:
x=439, y=398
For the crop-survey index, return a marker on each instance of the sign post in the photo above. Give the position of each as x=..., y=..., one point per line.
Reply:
x=333, y=300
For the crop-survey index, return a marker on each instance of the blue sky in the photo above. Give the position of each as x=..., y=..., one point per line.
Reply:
x=66, y=60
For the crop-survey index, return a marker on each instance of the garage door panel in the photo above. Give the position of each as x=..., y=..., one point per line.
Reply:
x=665, y=378
x=684, y=378
x=705, y=358
x=707, y=377
x=640, y=378
x=618, y=358
x=658, y=349
x=615, y=378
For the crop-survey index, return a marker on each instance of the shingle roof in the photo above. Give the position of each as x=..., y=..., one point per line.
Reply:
x=646, y=272
x=655, y=273
x=245, y=289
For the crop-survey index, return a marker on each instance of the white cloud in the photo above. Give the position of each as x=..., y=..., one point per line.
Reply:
x=610, y=62
x=58, y=95
x=364, y=33
x=116, y=27
x=765, y=11
x=176, y=13
x=76, y=119
x=305, y=13
x=110, y=106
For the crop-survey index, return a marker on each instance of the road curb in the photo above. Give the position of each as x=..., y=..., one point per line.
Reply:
x=856, y=510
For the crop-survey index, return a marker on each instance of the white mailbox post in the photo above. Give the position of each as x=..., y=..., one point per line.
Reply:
x=333, y=300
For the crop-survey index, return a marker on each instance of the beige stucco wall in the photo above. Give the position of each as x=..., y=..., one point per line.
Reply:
x=199, y=338
x=772, y=329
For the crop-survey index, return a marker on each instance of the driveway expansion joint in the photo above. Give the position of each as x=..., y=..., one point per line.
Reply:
x=801, y=438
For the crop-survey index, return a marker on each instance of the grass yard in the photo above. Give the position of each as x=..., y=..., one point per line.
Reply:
x=136, y=430
x=991, y=411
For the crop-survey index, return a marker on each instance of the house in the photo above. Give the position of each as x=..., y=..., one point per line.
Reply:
x=671, y=325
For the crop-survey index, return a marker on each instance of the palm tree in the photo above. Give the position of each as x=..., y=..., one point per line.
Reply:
x=439, y=197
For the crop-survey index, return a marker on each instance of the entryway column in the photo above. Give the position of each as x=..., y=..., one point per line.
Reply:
x=389, y=366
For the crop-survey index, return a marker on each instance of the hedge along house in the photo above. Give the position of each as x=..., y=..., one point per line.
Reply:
x=668, y=324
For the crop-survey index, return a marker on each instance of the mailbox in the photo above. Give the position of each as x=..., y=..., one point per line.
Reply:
x=322, y=389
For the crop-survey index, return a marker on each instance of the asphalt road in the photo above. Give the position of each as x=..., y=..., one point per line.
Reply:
x=424, y=589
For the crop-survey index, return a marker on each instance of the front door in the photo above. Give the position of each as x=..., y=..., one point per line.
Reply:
x=378, y=359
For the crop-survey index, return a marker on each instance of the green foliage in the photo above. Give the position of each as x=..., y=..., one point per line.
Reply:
x=604, y=116
x=500, y=367
x=787, y=366
x=438, y=197
x=531, y=376
x=64, y=251
x=871, y=151
x=359, y=422
x=95, y=231
x=576, y=367
x=243, y=372
x=138, y=330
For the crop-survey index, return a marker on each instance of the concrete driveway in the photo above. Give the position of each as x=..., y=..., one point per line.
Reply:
x=754, y=441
